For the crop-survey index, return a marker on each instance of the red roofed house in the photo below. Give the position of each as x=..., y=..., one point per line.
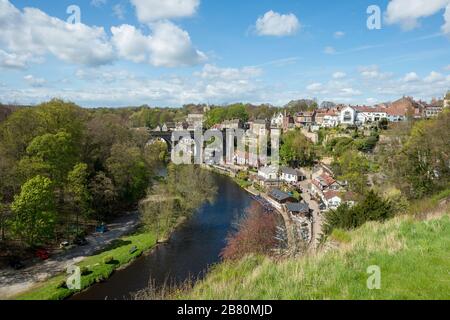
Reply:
x=323, y=183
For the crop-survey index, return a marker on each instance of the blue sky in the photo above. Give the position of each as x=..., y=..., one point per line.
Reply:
x=172, y=52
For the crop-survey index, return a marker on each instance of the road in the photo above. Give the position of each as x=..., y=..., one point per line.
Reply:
x=14, y=282
x=317, y=217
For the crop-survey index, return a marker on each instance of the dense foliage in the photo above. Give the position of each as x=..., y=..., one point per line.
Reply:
x=296, y=150
x=61, y=165
x=371, y=208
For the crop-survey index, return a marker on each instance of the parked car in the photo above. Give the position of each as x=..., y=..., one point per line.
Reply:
x=80, y=241
x=101, y=228
x=16, y=264
x=42, y=254
x=64, y=244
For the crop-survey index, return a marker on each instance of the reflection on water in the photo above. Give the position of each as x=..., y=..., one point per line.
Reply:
x=191, y=249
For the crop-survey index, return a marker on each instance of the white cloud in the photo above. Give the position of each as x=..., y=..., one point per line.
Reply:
x=447, y=68
x=434, y=77
x=339, y=34
x=98, y=3
x=34, y=82
x=371, y=101
x=315, y=87
x=149, y=11
x=329, y=50
x=119, y=11
x=339, y=75
x=275, y=24
x=111, y=86
x=349, y=92
x=411, y=77
x=33, y=33
x=446, y=26
x=373, y=72
x=408, y=12
x=228, y=74
x=168, y=46
x=13, y=60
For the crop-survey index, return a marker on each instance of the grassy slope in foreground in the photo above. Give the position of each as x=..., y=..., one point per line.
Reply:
x=414, y=258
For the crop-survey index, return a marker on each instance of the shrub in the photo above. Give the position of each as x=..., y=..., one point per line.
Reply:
x=108, y=260
x=256, y=234
x=62, y=284
x=84, y=270
x=372, y=208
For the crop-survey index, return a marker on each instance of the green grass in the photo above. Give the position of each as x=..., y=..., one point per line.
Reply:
x=413, y=256
x=98, y=270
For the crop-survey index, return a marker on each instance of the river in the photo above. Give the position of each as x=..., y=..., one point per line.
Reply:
x=191, y=249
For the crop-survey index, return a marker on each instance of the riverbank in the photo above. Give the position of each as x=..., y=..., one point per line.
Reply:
x=15, y=282
x=96, y=268
x=341, y=272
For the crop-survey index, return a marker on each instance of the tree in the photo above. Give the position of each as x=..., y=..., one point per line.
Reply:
x=3, y=218
x=53, y=153
x=103, y=195
x=353, y=168
x=371, y=208
x=34, y=211
x=383, y=124
x=256, y=234
x=78, y=191
x=297, y=150
x=130, y=173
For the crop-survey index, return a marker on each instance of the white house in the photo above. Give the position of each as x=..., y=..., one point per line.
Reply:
x=370, y=114
x=277, y=120
x=289, y=175
x=268, y=173
x=348, y=116
x=334, y=199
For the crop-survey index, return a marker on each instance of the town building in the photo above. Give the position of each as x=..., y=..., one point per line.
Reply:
x=432, y=111
x=280, y=197
x=277, y=120
x=447, y=100
x=361, y=115
x=195, y=121
x=334, y=199
x=328, y=118
x=299, y=209
x=323, y=183
x=403, y=108
x=305, y=119
x=289, y=175
x=268, y=173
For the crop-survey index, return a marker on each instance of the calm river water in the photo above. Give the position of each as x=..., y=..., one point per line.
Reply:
x=191, y=249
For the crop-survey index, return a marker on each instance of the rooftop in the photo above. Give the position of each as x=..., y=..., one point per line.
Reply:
x=290, y=171
x=268, y=170
x=279, y=195
x=298, y=207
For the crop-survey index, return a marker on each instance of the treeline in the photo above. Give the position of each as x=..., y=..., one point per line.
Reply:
x=412, y=163
x=417, y=160
x=61, y=165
